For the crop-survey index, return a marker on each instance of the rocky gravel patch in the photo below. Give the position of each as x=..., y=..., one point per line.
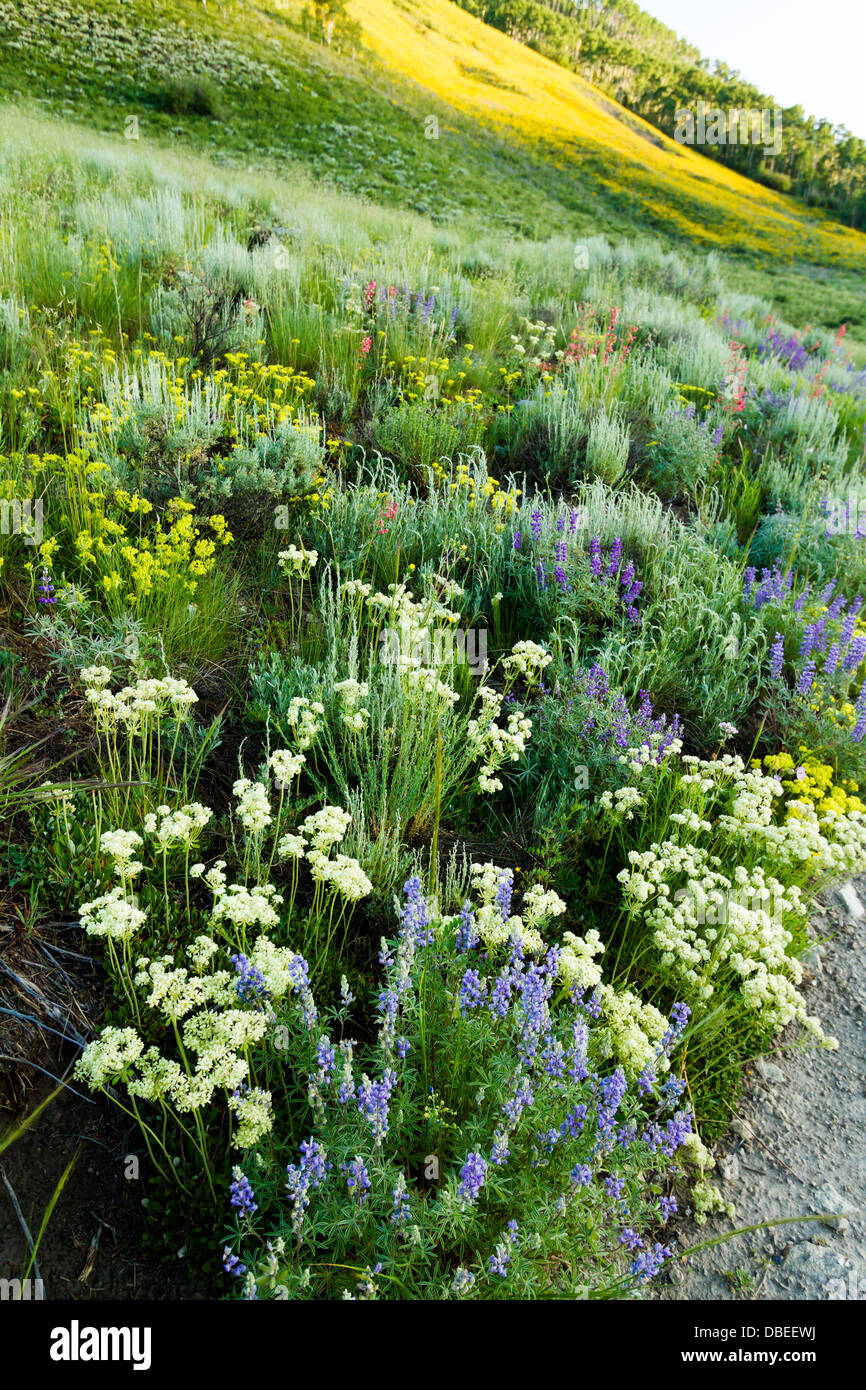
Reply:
x=797, y=1148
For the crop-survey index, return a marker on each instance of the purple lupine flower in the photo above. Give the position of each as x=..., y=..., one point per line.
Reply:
x=597, y=684
x=413, y=915
x=848, y=628
x=573, y=1123
x=777, y=656
x=672, y=1136
x=326, y=1057
x=232, y=1265
x=680, y=1015
x=46, y=589
x=472, y=1176
x=540, y=576
x=467, y=936
x=807, y=677
x=535, y=525
x=500, y=1151
x=808, y=640
x=560, y=576
x=649, y=1262
x=373, y=1097
x=613, y=1089
x=630, y=1239
x=855, y=654
x=250, y=985
x=573, y=518
x=313, y=1160
x=581, y=1175
x=515, y=542
x=357, y=1178
x=523, y=1098
x=500, y=995
x=672, y=1091
x=561, y=551
x=299, y=973
x=615, y=1187
x=403, y=1047
x=615, y=557
x=748, y=581
x=472, y=991
x=560, y=522
x=832, y=660
x=595, y=561
x=667, y=1207
x=646, y=1081
x=859, y=729
x=400, y=1200
x=241, y=1194
x=504, y=892
x=827, y=592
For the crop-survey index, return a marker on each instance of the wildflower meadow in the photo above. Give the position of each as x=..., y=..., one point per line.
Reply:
x=432, y=698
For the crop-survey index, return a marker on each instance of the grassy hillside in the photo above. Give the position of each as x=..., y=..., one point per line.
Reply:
x=359, y=539
x=519, y=142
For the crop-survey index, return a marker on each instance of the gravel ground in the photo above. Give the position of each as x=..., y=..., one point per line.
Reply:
x=798, y=1146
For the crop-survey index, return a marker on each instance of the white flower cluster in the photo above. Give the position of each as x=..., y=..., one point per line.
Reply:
x=541, y=905
x=111, y=915
x=295, y=561
x=527, y=659
x=216, y=1029
x=245, y=907
x=424, y=680
x=254, y=1111
x=354, y=715
x=285, y=766
x=136, y=706
x=301, y=715
x=113, y=1052
x=636, y=1030
x=578, y=967
x=351, y=693
x=646, y=756
x=322, y=830
x=716, y=923
x=326, y=827
x=181, y=827
x=121, y=845
x=491, y=743
x=343, y=872
x=254, y=808
x=489, y=883
x=621, y=803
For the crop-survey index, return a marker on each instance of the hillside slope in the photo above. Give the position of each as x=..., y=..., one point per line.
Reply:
x=428, y=109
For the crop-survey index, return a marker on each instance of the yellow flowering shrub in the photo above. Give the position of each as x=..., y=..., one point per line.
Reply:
x=812, y=781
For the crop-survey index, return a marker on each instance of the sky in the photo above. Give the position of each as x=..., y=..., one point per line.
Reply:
x=797, y=51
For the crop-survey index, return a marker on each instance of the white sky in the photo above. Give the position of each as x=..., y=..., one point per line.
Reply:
x=796, y=51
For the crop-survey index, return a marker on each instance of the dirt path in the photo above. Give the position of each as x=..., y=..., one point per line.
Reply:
x=797, y=1146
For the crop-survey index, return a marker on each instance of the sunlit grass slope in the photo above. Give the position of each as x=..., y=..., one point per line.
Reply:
x=514, y=141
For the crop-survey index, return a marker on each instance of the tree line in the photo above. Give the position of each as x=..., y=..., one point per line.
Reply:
x=647, y=68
